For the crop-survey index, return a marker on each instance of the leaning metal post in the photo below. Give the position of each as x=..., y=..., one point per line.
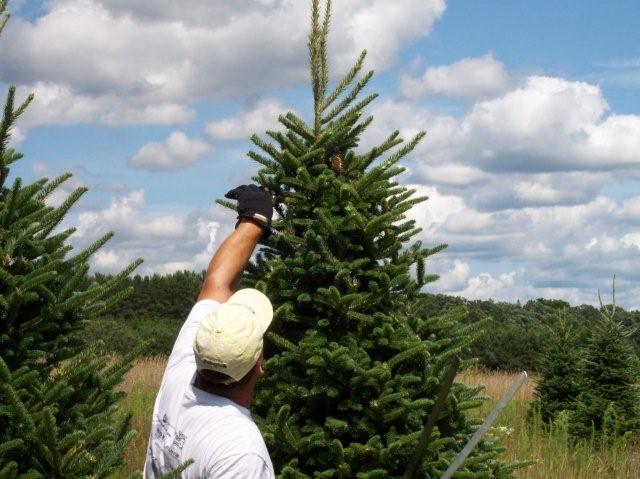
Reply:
x=482, y=430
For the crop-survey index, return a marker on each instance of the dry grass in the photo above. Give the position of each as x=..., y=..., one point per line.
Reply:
x=555, y=457
x=141, y=385
x=495, y=383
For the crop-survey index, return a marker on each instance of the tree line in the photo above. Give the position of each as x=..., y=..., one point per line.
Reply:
x=515, y=338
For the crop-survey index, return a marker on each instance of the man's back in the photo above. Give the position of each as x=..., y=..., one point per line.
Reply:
x=189, y=423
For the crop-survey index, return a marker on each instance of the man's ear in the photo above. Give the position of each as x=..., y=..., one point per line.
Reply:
x=260, y=367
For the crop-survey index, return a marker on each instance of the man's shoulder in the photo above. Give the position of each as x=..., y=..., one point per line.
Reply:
x=230, y=423
x=238, y=427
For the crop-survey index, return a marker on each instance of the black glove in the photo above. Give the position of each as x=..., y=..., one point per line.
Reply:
x=255, y=203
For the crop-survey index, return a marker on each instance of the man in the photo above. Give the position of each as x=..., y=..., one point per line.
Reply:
x=202, y=408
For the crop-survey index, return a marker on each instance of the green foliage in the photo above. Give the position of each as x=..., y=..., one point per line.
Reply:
x=353, y=367
x=559, y=382
x=166, y=297
x=518, y=336
x=608, y=404
x=57, y=397
x=588, y=381
x=151, y=337
x=149, y=318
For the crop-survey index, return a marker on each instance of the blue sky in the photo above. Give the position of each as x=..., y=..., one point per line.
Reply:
x=532, y=112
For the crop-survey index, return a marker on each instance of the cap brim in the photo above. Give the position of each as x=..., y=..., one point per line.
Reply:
x=258, y=302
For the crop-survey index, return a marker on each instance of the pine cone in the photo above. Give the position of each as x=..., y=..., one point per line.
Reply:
x=336, y=162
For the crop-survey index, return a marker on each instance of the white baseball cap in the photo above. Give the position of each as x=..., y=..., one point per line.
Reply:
x=229, y=339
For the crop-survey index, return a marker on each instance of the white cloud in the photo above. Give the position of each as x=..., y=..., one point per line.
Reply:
x=39, y=168
x=632, y=240
x=453, y=279
x=446, y=212
x=263, y=116
x=615, y=140
x=194, y=12
x=603, y=244
x=501, y=191
x=533, y=191
x=565, y=252
x=110, y=260
x=631, y=209
x=380, y=26
x=451, y=174
x=123, y=215
x=485, y=286
x=470, y=77
x=146, y=62
x=545, y=141
x=515, y=285
x=410, y=119
x=17, y=136
x=59, y=104
x=178, y=151
x=549, y=124
x=167, y=241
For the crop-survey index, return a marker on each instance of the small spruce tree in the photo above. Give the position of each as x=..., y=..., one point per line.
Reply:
x=608, y=405
x=353, y=367
x=558, y=385
x=57, y=396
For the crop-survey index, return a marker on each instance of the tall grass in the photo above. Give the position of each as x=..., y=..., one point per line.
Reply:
x=141, y=385
x=554, y=456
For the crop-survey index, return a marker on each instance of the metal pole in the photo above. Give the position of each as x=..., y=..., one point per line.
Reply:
x=482, y=430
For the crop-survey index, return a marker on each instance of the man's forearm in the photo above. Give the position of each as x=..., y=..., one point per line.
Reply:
x=229, y=261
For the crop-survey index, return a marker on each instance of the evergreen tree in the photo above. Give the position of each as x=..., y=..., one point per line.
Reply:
x=57, y=397
x=559, y=382
x=353, y=367
x=608, y=405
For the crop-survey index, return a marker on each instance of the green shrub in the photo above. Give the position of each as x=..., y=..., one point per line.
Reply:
x=120, y=336
x=559, y=382
x=608, y=405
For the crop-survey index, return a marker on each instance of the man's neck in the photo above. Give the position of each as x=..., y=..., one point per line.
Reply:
x=241, y=397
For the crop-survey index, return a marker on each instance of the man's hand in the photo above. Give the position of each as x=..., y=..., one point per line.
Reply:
x=254, y=203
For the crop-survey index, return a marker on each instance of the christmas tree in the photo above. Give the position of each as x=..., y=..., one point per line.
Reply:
x=559, y=382
x=608, y=405
x=353, y=368
x=58, y=405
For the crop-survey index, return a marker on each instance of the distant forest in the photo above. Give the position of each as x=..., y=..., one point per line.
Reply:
x=515, y=334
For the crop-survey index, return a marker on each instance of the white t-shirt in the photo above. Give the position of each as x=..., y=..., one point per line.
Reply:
x=189, y=423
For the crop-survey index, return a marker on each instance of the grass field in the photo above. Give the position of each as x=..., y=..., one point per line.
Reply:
x=554, y=457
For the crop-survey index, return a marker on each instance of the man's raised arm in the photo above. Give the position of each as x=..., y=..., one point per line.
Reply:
x=229, y=261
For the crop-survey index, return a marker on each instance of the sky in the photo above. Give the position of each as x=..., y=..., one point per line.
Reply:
x=532, y=113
